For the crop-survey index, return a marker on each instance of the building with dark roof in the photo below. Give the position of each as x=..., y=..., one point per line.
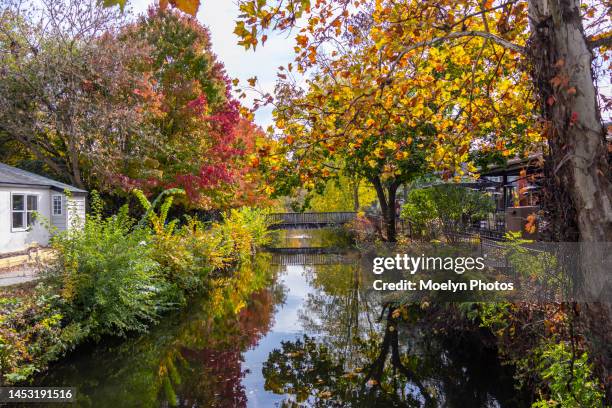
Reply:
x=27, y=200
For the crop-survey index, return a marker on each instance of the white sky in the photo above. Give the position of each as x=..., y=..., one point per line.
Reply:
x=219, y=16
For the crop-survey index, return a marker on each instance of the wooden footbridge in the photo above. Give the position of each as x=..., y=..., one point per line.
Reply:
x=310, y=219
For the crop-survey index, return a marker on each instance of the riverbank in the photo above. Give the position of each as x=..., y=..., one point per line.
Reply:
x=116, y=277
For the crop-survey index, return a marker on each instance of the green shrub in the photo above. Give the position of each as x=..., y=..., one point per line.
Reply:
x=569, y=380
x=189, y=253
x=107, y=275
x=444, y=208
x=420, y=210
x=30, y=333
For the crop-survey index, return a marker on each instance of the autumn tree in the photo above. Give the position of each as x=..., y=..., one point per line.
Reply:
x=110, y=104
x=391, y=120
x=563, y=39
x=186, y=103
x=251, y=187
x=65, y=93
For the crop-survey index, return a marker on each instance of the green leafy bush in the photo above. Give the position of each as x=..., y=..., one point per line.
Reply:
x=107, y=275
x=420, y=211
x=569, y=379
x=445, y=208
x=30, y=333
x=532, y=340
x=189, y=253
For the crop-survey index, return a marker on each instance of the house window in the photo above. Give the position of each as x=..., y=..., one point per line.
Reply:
x=23, y=207
x=57, y=205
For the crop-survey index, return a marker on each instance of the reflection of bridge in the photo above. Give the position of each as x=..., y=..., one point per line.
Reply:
x=310, y=219
x=311, y=256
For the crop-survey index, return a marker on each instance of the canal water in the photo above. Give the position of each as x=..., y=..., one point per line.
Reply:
x=310, y=335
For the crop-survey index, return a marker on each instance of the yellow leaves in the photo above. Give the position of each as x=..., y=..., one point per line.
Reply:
x=246, y=113
x=439, y=154
x=381, y=42
x=253, y=160
x=312, y=54
x=390, y=144
x=378, y=153
x=450, y=93
x=268, y=189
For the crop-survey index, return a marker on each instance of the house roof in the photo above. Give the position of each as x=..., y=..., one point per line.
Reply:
x=10, y=175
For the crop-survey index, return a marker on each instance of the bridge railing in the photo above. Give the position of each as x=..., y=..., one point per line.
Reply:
x=312, y=218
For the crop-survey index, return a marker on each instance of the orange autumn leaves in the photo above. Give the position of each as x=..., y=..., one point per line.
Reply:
x=367, y=79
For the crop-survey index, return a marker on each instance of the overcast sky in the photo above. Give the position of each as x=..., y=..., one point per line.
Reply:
x=219, y=17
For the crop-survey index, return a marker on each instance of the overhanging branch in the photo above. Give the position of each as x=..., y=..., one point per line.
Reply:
x=600, y=42
x=460, y=34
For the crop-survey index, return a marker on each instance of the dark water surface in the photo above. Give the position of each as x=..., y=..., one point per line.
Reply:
x=310, y=336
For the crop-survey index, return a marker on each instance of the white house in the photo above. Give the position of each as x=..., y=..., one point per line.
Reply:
x=23, y=193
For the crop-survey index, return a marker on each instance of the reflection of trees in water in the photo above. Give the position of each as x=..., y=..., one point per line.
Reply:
x=337, y=371
x=193, y=358
x=362, y=352
x=217, y=382
x=338, y=310
x=213, y=354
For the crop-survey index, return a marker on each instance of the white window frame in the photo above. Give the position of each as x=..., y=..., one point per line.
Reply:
x=24, y=212
x=61, y=208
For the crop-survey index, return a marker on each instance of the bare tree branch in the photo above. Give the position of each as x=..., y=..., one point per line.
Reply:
x=600, y=42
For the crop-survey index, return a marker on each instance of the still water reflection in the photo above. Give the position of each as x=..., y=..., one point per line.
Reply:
x=282, y=334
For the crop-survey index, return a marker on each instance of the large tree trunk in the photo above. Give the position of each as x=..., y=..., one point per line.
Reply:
x=563, y=76
x=386, y=198
x=355, y=186
x=577, y=167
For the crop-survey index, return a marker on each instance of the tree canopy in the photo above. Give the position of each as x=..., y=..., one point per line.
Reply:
x=114, y=104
